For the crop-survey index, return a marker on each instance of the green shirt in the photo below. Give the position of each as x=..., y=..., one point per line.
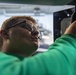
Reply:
x=60, y=59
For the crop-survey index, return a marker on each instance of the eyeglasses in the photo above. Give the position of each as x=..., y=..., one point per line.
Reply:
x=28, y=26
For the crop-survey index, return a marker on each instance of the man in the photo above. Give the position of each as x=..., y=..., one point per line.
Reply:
x=20, y=39
x=1, y=43
x=20, y=36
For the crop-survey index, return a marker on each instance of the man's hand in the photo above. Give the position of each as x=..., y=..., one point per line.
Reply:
x=71, y=29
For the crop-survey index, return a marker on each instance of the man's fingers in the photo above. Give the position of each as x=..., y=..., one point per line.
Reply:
x=71, y=29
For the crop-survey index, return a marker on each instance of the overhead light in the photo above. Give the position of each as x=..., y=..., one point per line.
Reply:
x=9, y=6
x=37, y=11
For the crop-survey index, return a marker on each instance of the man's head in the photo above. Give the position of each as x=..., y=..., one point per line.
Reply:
x=20, y=35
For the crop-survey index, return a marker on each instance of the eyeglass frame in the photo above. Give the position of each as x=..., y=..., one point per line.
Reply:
x=32, y=28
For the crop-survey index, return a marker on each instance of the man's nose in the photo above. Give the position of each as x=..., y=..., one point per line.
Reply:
x=36, y=32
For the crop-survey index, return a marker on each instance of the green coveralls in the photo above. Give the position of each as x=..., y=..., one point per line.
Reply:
x=60, y=59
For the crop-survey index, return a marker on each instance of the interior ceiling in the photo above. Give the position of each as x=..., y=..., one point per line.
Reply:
x=29, y=8
x=40, y=2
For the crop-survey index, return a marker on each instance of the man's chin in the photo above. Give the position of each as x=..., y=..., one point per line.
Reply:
x=35, y=47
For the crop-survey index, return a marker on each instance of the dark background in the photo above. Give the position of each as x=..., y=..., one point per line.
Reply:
x=41, y=2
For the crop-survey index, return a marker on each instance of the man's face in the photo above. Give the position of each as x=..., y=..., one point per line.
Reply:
x=23, y=39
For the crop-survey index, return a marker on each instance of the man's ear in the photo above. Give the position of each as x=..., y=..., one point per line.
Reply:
x=4, y=34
